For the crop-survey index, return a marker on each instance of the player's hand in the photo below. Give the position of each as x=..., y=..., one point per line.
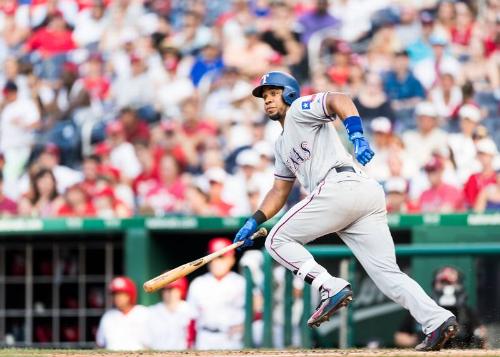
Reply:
x=246, y=232
x=362, y=150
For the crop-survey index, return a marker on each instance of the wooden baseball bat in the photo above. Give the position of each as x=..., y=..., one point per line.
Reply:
x=172, y=275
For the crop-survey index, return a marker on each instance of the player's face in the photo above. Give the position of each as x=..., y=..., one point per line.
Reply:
x=274, y=105
x=121, y=300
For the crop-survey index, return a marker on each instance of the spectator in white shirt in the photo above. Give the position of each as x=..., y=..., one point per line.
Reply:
x=90, y=25
x=381, y=129
x=123, y=327
x=430, y=70
x=428, y=137
x=462, y=144
x=171, y=321
x=18, y=121
x=122, y=155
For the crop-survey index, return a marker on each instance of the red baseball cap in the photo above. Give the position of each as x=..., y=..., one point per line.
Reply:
x=181, y=284
x=218, y=243
x=126, y=285
x=114, y=127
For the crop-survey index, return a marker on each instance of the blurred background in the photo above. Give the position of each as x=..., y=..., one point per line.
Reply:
x=132, y=121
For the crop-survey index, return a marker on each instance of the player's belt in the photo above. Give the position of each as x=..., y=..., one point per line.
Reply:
x=344, y=169
x=211, y=329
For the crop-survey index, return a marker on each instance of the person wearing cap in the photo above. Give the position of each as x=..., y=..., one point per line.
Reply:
x=400, y=84
x=220, y=192
x=124, y=326
x=207, y=63
x=421, y=49
x=430, y=70
x=396, y=190
x=217, y=299
x=19, y=118
x=462, y=144
x=427, y=137
x=486, y=153
x=247, y=163
x=440, y=197
x=170, y=321
x=381, y=133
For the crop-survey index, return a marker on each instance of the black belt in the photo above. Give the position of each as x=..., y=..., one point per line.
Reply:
x=212, y=329
x=344, y=169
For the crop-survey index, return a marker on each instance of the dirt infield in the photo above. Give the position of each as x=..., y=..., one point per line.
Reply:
x=248, y=353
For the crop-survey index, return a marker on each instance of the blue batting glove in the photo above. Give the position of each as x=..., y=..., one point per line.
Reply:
x=362, y=149
x=246, y=232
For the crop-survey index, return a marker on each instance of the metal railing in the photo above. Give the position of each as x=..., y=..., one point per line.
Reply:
x=348, y=267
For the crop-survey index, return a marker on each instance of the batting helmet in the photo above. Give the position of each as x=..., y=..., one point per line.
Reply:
x=181, y=284
x=219, y=243
x=125, y=285
x=291, y=88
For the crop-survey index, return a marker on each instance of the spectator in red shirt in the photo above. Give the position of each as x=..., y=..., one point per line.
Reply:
x=77, y=203
x=135, y=128
x=90, y=170
x=7, y=206
x=107, y=205
x=440, y=197
x=486, y=152
x=53, y=39
x=148, y=177
x=216, y=179
x=168, y=193
x=95, y=82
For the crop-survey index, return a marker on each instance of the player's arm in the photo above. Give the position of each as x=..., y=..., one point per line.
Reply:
x=272, y=203
x=342, y=105
x=275, y=198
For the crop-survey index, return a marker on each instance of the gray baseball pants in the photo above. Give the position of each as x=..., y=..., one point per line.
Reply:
x=353, y=206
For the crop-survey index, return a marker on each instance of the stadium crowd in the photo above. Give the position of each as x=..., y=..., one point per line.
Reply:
x=117, y=108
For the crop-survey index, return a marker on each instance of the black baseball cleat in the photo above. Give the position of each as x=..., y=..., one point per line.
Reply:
x=328, y=305
x=437, y=338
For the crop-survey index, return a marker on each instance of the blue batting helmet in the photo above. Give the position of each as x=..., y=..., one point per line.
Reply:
x=291, y=88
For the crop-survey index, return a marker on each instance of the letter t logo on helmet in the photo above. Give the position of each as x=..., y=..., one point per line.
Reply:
x=290, y=86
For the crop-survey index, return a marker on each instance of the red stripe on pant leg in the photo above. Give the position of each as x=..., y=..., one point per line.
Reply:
x=282, y=224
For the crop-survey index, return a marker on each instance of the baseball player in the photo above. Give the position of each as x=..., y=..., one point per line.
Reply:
x=124, y=327
x=170, y=321
x=216, y=298
x=341, y=199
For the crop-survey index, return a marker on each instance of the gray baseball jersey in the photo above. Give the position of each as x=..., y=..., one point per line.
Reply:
x=309, y=145
x=351, y=204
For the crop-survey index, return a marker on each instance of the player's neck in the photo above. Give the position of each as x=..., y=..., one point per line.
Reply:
x=282, y=122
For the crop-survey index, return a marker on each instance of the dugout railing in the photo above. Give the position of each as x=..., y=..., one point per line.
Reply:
x=348, y=268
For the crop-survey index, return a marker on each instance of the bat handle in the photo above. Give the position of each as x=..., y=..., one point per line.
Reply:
x=261, y=232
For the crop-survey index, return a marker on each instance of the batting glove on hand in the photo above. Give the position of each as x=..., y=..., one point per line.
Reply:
x=246, y=232
x=362, y=149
